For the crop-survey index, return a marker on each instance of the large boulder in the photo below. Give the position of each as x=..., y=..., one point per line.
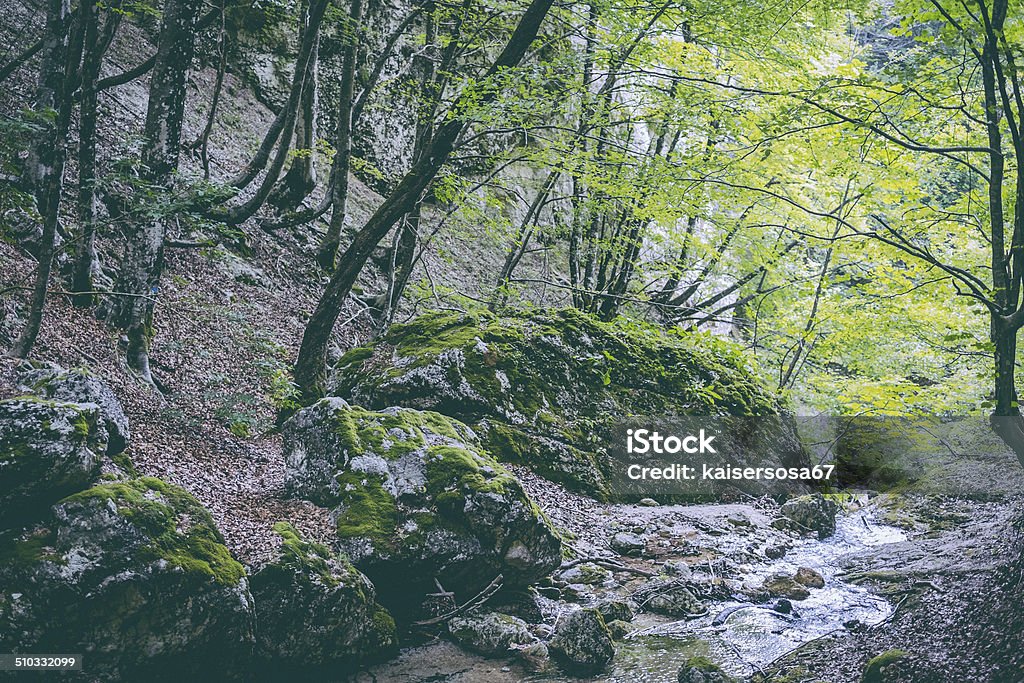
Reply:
x=544, y=388
x=415, y=498
x=80, y=386
x=491, y=634
x=810, y=514
x=47, y=450
x=582, y=644
x=133, y=575
x=314, y=610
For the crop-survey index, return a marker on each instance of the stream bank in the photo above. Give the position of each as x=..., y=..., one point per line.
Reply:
x=874, y=587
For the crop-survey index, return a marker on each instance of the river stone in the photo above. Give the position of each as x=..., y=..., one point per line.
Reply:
x=414, y=497
x=887, y=667
x=80, y=386
x=629, y=544
x=806, y=576
x=615, y=610
x=809, y=514
x=782, y=586
x=47, y=450
x=582, y=644
x=618, y=628
x=315, y=610
x=702, y=670
x=135, y=576
x=491, y=634
x=587, y=573
x=670, y=597
x=547, y=388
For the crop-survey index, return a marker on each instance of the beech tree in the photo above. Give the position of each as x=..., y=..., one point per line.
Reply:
x=311, y=364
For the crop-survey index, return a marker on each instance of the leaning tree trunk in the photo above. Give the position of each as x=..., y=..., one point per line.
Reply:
x=300, y=179
x=311, y=364
x=57, y=86
x=140, y=273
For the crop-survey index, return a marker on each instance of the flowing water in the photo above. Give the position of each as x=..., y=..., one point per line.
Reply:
x=743, y=637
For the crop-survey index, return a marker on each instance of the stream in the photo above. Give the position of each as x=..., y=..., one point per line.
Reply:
x=740, y=637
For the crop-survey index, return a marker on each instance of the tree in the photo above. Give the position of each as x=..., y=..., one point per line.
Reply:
x=311, y=364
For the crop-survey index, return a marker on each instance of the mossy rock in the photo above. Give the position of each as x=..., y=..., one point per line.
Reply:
x=702, y=670
x=315, y=611
x=54, y=383
x=47, y=450
x=885, y=668
x=414, y=496
x=135, y=576
x=542, y=388
x=582, y=644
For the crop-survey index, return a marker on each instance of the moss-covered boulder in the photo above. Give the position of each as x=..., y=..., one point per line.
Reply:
x=582, y=644
x=135, y=576
x=315, y=611
x=702, y=670
x=414, y=498
x=53, y=383
x=47, y=450
x=540, y=388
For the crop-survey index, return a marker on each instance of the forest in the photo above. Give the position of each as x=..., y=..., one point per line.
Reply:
x=323, y=322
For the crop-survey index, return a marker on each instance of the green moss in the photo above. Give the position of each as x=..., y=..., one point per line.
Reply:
x=874, y=672
x=158, y=509
x=366, y=510
x=28, y=549
x=703, y=664
x=125, y=463
x=303, y=556
x=451, y=468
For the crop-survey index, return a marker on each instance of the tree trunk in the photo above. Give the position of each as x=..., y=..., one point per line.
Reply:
x=342, y=140
x=300, y=179
x=57, y=86
x=140, y=273
x=311, y=365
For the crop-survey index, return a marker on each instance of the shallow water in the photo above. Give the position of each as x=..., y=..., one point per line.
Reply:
x=748, y=638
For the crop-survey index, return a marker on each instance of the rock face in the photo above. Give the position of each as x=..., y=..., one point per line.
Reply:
x=702, y=670
x=492, y=634
x=809, y=514
x=79, y=386
x=314, y=610
x=415, y=497
x=582, y=644
x=540, y=387
x=47, y=450
x=135, y=576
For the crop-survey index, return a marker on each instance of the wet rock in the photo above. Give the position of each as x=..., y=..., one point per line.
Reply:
x=670, y=597
x=808, y=514
x=541, y=387
x=619, y=628
x=782, y=586
x=587, y=573
x=135, y=568
x=629, y=544
x=582, y=644
x=776, y=552
x=678, y=569
x=80, y=386
x=47, y=450
x=524, y=604
x=783, y=606
x=615, y=610
x=314, y=610
x=415, y=497
x=886, y=668
x=806, y=576
x=491, y=634
x=702, y=670
x=648, y=502
x=535, y=656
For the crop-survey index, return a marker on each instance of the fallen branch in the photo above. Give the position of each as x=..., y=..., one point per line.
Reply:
x=474, y=602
